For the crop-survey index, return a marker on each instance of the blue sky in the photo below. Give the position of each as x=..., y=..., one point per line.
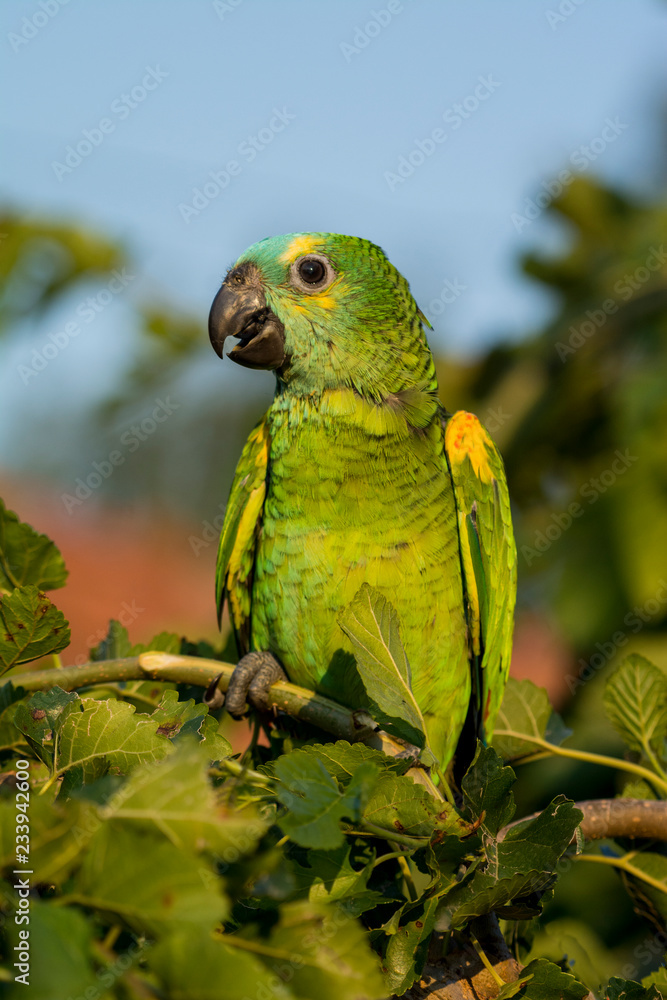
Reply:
x=329, y=96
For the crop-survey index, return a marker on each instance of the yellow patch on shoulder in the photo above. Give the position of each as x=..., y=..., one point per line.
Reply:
x=298, y=246
x=466, y=438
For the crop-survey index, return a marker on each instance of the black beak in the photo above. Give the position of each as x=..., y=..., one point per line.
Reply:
x=240, y=310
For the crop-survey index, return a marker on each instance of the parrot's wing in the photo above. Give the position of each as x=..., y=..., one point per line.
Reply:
x=488, y=559
x=238, y=540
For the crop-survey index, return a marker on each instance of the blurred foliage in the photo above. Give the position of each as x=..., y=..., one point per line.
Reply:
x=163, y=865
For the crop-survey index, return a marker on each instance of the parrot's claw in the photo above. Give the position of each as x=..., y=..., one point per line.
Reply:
x=253, y=676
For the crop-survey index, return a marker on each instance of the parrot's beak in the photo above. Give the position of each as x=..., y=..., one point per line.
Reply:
x=240, y=310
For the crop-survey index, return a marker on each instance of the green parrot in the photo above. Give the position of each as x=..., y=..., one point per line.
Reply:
x=356, y=474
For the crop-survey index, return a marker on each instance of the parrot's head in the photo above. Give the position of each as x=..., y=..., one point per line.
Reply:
x=324, y=311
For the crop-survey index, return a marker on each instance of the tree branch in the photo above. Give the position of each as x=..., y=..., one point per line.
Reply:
x=611, y=818
x=342, y=722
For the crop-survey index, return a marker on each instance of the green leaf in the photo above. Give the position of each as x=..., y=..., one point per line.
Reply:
x=542, y=980
x=183, y=719
x=658, y=979
x=647, y=898
x=39, y=716
x=164, y=642
x=321, y=952
x=148, y=882
x=219, y=973
x=175, y=800
x=60, y=953
x=57, y=835
x=95, y=735
x=115, y=645
x=339, y=876
x=403, y=808
x=341, y=758
x=538, y=844
x=26, y=557
x=371, y=624
x=487, y=791
x=525, y=711
x=483, y=893
x=11, y=697
x=635, y=700
x=315, y=803
x=407, y=949
x=30, y=627
x=628, y=989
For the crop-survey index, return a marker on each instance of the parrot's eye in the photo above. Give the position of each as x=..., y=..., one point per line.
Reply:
x=312, y=273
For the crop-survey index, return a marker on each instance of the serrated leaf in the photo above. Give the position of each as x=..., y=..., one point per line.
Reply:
x=538, y=844
x=37, y=717
x=315, y=802
x=403, y=808
x=628, y=989
x=175, y=800
x=27, y=557
x=483, y=893
x=526, y=712
x=30, y=627
x=635, y=700
x=147, y=882
x=487, y=790
x=217, y=746
x=372, y=626
x=407, y=949
x=220, y=972
x=542, y=980
x=95, y=735
x=180, y=720
x=657, y=979
x=331, y=958
x=341, y=758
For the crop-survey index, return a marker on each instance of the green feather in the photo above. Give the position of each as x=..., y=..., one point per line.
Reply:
x=364, y=482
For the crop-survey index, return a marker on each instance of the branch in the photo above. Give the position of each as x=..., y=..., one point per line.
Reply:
x=461, y=974
x=611, y=818
x=342, y=722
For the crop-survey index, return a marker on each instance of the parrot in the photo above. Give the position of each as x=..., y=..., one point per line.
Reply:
x=355, y=475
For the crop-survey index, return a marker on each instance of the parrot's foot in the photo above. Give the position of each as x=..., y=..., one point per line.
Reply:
x=253, y=676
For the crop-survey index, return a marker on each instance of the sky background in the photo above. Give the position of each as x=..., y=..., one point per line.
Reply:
x=357, y=99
